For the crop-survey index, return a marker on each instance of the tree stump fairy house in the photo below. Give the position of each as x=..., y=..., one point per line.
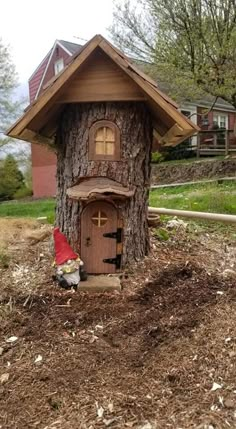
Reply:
x=99, y=115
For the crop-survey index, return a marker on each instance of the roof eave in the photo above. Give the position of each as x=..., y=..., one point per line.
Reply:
x=15, y=130
x=184, y=127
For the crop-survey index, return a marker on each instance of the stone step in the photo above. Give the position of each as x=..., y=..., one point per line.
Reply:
x=100, y=283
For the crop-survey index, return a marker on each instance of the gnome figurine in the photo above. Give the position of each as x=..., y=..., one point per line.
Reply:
x=67, y=263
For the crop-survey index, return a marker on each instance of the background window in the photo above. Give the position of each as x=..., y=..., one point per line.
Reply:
x=221, y=120
x=58, y=66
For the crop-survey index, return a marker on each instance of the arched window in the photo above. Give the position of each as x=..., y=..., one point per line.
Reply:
x=104, y=141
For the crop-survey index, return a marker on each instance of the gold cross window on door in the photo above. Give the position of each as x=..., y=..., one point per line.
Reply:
x=105, y=141
x=99, y=218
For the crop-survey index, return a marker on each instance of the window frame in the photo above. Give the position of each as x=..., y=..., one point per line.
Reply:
x=59, y=62
x=92, y=146
x=217, y=118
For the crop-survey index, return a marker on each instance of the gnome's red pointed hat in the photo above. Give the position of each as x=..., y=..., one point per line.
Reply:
x=63, y=251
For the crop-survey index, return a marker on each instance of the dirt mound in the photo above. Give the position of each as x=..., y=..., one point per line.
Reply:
x=112, y=360
x=14, y=229
x=193, y=171
x=149, y=355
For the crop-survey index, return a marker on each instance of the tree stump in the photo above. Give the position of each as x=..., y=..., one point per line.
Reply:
x=133, y=169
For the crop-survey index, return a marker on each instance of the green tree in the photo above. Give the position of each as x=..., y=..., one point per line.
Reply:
x=11, y=178
x=8, y=82
x=27, y=165
x=190, y=44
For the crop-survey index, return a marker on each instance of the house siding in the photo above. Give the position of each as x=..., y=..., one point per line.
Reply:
x=42, y=156
x=35, y=80
x=44, y=181
x=43, y=171
x=231, y=117
x=43, y=160
x=200, y=114
x=232, y=120
x=57, y=54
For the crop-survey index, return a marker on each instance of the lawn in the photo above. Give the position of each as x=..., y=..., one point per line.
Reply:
x=211, y=197
x=31, y=209
x=190, y=160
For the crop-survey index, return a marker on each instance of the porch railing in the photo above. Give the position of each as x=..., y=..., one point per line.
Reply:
x=216, y=142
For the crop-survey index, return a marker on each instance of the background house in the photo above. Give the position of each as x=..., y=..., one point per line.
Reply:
x=43, y=159
x=223, y=115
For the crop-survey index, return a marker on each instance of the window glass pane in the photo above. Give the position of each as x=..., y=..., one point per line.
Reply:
x=99, y=135
x=220, y=120
x=58, y=66
x=105, y=141
x=110, y=135
x=110, y=148
x=222, y=123
x=100, y=148
x=99, y=218
x=216, y=119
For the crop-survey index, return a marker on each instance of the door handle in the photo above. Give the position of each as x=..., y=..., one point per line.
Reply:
x=88, y=241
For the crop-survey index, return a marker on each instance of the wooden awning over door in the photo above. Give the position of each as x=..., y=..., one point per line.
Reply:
x=98, y=186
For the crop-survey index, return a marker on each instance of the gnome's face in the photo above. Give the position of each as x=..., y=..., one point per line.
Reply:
x=69, y=266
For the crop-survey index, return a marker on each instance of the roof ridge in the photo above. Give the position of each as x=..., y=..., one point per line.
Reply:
x=68, y=41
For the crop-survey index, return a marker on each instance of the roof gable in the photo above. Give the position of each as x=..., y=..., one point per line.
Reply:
x=40, y=64
x=69, y=48
x=100, y=80
x=167, y=121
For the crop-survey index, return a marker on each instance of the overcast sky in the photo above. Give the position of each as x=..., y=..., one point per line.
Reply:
x=31, y=27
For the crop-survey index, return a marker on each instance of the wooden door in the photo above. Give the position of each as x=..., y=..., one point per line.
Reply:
x=98, y=218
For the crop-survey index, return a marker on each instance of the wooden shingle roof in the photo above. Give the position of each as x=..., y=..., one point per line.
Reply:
x=100, y=72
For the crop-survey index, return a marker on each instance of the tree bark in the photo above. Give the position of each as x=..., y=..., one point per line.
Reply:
x=134, y=122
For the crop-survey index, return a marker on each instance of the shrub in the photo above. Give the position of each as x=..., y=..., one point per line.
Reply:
x=161, y=234
x=157, y=157
x=181, y=151
x=11, y=178
x=23, y=193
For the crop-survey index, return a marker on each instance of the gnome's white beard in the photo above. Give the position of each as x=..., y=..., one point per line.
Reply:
x=72, y=278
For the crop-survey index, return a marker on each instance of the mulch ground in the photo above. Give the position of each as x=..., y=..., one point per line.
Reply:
x=146, y=358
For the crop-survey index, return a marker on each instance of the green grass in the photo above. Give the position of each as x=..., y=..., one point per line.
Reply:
x=191, y=160
x=211, y=197
x=31, y=209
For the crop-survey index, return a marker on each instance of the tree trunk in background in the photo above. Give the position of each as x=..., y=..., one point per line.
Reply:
x=134, y=122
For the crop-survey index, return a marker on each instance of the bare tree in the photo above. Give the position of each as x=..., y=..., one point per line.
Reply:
x=189, y=43
x=8, y=82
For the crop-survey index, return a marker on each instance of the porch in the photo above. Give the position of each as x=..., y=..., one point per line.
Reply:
x=216, y=142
